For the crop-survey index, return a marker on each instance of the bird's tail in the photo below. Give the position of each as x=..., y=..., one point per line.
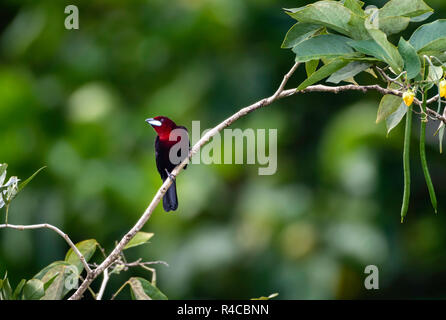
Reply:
x=170, y=199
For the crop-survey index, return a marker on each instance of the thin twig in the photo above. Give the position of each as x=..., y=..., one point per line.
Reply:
x=139, y=263
x=103, y=285
x=119, y=290
x=153, y=270
x=58, y=231
x=389, y=79
x=284, y=81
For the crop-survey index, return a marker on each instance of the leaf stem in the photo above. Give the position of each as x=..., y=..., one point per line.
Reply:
x=119, y=290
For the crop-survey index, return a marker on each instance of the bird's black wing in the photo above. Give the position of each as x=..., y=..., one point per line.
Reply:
x=159, y=160
x=184, y=156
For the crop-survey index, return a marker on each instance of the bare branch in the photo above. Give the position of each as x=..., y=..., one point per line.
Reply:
x=58, y=231
x=364, y=89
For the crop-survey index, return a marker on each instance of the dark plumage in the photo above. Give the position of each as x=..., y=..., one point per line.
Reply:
x=168, y=138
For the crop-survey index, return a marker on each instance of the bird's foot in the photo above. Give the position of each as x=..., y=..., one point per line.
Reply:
x=171, y=176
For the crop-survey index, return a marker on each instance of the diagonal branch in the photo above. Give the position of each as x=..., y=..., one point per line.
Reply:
x=58, y=231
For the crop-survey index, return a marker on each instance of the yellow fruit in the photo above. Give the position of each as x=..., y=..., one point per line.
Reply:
x=443, y=88
x=408, y=98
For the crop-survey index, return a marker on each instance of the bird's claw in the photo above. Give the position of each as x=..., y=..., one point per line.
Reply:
x=171, y=176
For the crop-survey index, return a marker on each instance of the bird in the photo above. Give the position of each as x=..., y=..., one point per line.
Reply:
x=169, y=135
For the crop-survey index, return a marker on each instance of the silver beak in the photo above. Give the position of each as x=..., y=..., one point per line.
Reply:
x=154, y=122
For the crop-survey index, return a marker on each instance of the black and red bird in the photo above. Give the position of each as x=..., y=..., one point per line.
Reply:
x=170, y=138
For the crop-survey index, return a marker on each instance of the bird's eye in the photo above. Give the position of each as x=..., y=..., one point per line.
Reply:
x=162, y=120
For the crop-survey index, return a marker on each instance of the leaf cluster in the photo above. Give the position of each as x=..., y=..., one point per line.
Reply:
x=346, y=39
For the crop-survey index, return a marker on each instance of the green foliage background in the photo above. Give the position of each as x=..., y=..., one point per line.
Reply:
x=76, y=101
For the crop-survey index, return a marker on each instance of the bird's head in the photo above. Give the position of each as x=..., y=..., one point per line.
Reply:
x=162, y=125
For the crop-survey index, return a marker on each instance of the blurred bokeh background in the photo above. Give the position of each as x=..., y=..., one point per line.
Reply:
x=76, y=101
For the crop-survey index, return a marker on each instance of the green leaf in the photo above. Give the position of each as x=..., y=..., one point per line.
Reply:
x=349, y=71
x=300, y=32
x=62, y=276
x=139, y=239
x=392, y=56
x=388, y=105
x=405, y=8
x=323, y=72
x=355, y=6
x=422, y=17
x=48, y=283
x=271, y=296
x=33, y=290
x=311, y=66
x=87, y=248
x=24, y=183
x=440, y=55
x=332, y=15
x=18, y=289
x=395, y=118
x=369, y=47
x=327, y=13
x=392, y=25
x=435, y=74
x=323, y=46
x=430, y=37
x=363, y=59
x=5, y=288
x=1, y=290
x=357, y=28
x=142, y=289
x=3, y=168
x=412, y=62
